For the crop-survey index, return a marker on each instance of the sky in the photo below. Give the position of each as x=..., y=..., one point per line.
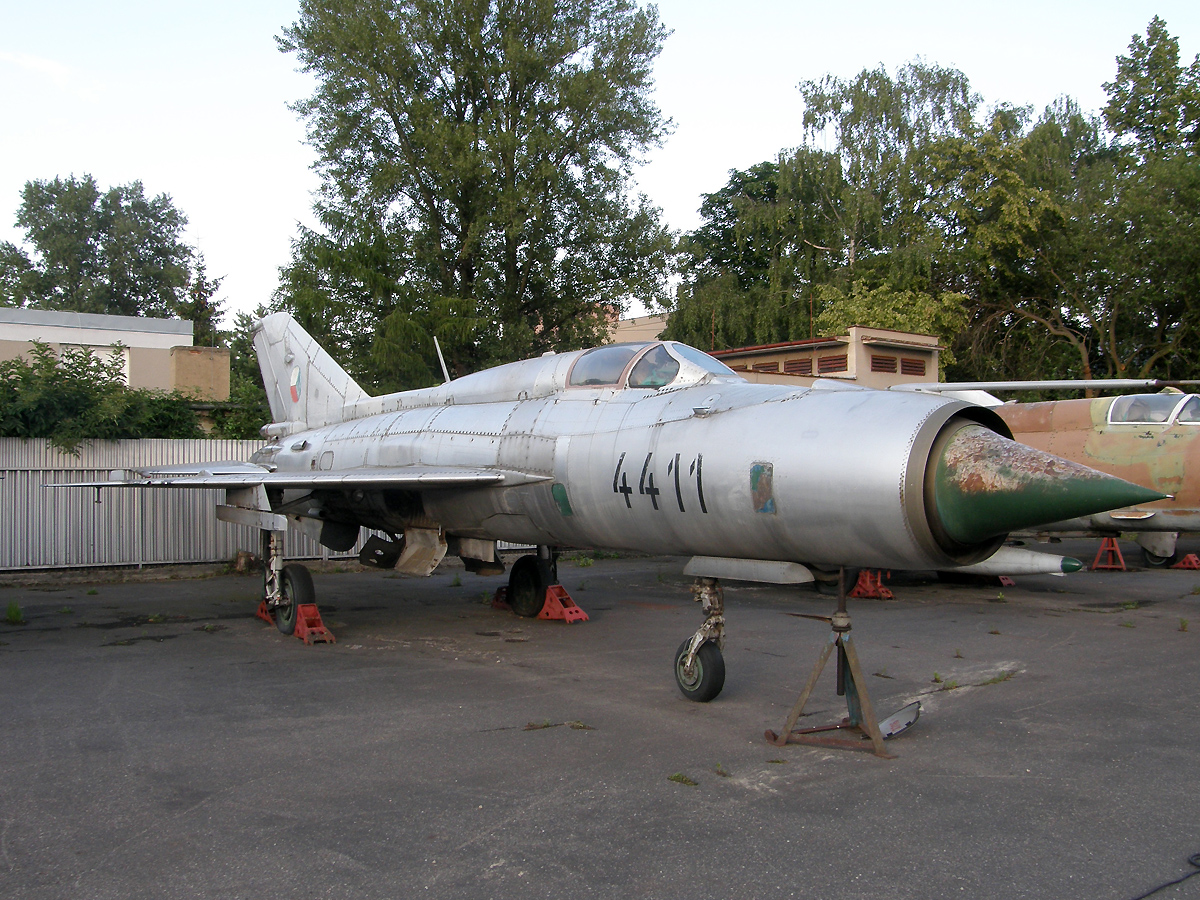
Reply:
x=192, y=98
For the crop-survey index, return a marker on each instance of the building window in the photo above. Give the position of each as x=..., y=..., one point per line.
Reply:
x=832, y=364
x=802, y=366
x=883, y=363
x=912, y=367
x=766, y=367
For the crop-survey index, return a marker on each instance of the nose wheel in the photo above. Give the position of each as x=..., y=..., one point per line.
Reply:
x=704, y=678
x=699, y=665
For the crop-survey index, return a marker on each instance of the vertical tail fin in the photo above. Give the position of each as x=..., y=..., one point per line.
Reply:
x=305, y=387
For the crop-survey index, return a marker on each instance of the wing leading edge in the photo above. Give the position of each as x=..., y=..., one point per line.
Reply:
x=242, y=474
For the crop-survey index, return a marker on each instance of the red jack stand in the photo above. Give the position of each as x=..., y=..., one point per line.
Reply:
x=1191, y=561
x=870, y=586
x=500, y=600
x=1005, y=581
x=559, y=605
x=309, y=627
x=1111, y=554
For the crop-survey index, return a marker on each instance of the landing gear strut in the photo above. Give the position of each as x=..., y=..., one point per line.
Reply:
x=699, y=665
x=289, y=598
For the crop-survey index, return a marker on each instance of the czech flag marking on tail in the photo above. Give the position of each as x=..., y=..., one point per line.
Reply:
x=295, y=381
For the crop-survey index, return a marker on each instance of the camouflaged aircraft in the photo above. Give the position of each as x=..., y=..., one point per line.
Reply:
x=653, y=447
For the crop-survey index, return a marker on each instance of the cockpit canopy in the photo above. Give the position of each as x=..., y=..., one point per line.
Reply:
x=1155, y=409
x=650, y=365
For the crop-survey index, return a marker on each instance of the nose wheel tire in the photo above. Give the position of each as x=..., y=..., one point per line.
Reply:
x=295, y=588
x=707, y=675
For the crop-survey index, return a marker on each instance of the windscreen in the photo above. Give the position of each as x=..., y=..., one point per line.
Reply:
x=603, y=365
x=1143, y=409
x=703, y=360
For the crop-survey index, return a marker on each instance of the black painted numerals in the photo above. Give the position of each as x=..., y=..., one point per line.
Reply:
x=648, y=487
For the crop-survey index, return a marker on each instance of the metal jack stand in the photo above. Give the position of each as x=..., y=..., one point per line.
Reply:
x=850, y=684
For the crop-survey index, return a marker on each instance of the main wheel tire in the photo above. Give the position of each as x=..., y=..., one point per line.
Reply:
x=708, y=675
x=295, y=587
x=526, y=590
x=1154, y=561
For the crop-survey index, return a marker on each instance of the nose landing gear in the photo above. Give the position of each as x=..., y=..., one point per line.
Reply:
x=699, y=665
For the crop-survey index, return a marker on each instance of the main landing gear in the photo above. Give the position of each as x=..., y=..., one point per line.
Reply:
x=534, y=592
x=289, y=598
x=699, y=665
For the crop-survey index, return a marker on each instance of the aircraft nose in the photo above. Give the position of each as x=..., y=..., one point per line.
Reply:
x=980, y=485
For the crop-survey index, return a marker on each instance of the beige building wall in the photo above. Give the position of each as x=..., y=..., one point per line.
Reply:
x=157, y=353
x=201, y=372
x=638, y=328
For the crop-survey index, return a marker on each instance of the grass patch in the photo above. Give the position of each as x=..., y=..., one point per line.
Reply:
x=156, y=619
x=13, y=614
x=1130, y=604
x=1126, y=624
x=722, y=771
x=66, y=611
x=584, y=561
x=949, y=686
x=997, y=679
x=937, y=679
x=680, y=778
x=1183, y=624
x=994, y=631
x=958, y=654
x=457, y=582
x=93, y=592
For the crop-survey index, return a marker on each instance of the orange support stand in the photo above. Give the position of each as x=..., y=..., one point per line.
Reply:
x=559, y=605
x=309, y=627
x=870, y=586
x=1191, y=561
x=1109, y=557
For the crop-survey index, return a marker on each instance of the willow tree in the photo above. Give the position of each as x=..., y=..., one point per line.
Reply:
x=476, y=160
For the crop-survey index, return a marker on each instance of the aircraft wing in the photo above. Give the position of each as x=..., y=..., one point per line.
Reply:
x=243, y=474
x=1066, y=384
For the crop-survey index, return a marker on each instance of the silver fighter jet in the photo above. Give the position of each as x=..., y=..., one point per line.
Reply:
x=653, y=447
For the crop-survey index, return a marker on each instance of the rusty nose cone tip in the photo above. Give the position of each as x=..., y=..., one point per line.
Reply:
x=985, y=485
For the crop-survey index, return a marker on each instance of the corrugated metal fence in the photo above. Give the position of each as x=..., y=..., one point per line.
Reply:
x=65, y=527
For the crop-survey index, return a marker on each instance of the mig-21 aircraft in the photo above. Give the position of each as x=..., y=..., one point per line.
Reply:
x=653, y=447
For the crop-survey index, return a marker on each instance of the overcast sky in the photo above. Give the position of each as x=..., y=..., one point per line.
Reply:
x=191, y=98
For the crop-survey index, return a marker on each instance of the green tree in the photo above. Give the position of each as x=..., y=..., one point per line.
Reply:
x=854, y=220
x=200, y=308
x=476, y=159
x=1153, y=102
x=77, y=395
x=115, y=252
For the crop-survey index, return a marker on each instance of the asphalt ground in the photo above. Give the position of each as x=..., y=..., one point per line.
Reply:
x=158, y=741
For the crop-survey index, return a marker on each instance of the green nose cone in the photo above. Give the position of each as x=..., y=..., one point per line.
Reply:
x=984, y=485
